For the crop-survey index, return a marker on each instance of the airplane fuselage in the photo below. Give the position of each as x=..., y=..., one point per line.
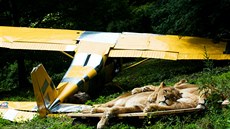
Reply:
x=88, y=73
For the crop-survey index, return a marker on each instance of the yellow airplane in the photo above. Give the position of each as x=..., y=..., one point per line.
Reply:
x=93, y=62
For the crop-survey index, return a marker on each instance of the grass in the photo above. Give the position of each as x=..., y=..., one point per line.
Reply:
x=149, y=72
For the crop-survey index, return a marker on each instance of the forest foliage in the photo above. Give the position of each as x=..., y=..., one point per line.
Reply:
x=206, y=18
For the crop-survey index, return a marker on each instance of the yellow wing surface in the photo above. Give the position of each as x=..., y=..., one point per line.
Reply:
x=20, y=111
x=124, y=44
x=38, y=38
x=170, y=47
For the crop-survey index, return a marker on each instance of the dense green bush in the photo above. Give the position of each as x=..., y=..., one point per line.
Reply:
x=9, y=77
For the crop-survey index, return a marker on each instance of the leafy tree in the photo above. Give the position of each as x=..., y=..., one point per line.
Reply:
x=188, y=17
x=206, y=18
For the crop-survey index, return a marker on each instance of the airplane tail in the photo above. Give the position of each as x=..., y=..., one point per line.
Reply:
x=44, y=89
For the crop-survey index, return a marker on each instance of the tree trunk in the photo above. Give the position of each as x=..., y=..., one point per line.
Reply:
x=23, y=83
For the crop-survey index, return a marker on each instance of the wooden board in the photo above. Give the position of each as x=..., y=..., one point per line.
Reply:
x=137, y=114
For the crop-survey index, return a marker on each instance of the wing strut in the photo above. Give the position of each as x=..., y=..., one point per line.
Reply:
x=67, y=54
x=136, y=63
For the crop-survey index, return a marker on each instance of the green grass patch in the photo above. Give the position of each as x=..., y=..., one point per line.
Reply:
x=149, y=72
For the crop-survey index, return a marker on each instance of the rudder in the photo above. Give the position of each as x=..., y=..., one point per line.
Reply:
x=44, y=89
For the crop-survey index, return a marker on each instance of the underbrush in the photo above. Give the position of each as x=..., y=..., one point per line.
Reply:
x=154, y=72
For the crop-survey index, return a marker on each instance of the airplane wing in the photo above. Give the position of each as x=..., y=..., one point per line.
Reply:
x=20, y=111
x=55, y=39
x=38, y=38
x=170, y=47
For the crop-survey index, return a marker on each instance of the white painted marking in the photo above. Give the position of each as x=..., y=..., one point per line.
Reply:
x=10, y=114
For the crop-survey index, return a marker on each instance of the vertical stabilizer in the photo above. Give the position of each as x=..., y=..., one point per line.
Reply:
x=44, y=89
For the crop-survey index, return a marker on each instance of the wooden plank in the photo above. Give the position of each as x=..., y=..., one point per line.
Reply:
x=137, y=114
x=159, y=113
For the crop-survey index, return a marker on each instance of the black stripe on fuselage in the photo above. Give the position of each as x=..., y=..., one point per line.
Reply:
x=79, y=82
x=86, y=78
x=87, y=60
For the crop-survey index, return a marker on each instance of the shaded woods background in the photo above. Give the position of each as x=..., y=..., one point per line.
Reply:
x=204, y=18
